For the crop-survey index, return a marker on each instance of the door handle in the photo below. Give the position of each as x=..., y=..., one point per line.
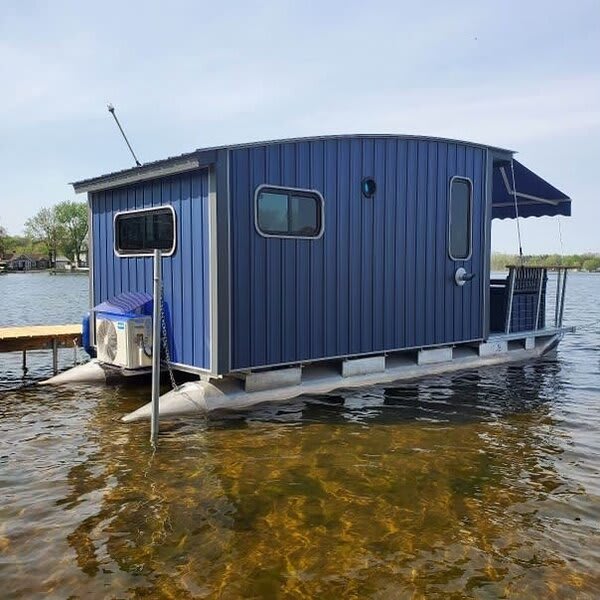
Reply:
x=461, y=276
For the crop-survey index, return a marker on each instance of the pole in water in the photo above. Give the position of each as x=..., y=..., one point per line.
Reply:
x=157, y=282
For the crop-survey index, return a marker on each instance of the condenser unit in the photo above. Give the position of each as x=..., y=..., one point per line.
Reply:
x=124, y=342
x=124, y=331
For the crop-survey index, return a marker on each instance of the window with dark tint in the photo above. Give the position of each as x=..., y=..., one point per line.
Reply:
x=282, y=212
x=141, y=232
x=369, y=187
x=460, y=218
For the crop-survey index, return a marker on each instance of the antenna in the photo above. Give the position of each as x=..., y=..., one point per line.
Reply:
x=111, y=110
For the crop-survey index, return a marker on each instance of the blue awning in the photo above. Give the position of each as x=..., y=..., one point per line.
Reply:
x=127, y=304
x=535, y=196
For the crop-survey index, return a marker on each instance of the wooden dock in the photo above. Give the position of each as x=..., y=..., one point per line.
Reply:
x=40, y=337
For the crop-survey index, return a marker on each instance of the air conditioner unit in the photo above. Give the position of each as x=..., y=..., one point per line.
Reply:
x=124, y=341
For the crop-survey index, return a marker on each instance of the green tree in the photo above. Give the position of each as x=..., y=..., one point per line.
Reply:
x=572, y=261
x=3, y=236
x=45, y=227
x=72, y=218
x=591, y=264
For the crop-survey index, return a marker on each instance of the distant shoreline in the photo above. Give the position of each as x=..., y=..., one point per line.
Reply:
x=80, y=271
x=587, y=262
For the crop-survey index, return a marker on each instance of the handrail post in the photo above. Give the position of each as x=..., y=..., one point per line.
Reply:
x=539, y=300
x=157, y=285
x=511, y=293
x=562, y=298
x=558, y=294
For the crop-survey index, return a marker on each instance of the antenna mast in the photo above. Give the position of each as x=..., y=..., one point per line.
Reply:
x=111, y=110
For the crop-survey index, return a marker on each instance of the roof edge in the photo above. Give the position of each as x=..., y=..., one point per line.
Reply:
x=205, y=156
x=341, y=136
x=155, y=170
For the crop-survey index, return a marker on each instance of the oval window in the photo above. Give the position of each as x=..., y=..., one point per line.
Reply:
x=369, y=187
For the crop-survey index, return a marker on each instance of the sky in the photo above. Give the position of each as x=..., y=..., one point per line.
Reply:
x=186, y=75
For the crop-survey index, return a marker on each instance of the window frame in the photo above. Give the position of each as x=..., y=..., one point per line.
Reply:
x=470, y=236
x=136, y=254
x=290, y=191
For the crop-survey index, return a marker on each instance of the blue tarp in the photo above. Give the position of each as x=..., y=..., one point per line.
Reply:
x=535, y=196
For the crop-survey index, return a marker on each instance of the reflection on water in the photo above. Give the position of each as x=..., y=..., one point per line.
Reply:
x=451, y=485
x=483, y=484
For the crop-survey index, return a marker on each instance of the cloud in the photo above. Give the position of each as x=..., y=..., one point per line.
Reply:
x=489, y=113
x=197, y=75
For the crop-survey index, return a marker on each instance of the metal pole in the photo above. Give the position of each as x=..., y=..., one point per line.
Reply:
x=156, y=347
x=111, y=110
x=514, y=190
x=539, y=300
x=511, y=293
x=558, y=294
x=54, y=356
x=562, y=298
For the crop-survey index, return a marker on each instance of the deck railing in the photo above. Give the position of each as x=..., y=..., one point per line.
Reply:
x=519, y=301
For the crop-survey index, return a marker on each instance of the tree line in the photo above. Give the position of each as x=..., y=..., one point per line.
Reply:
x=55, y=230
x=583, y=262
x=63, y=228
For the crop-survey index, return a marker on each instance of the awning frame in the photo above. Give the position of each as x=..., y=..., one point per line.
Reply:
x=521, y=194
x=526, y=195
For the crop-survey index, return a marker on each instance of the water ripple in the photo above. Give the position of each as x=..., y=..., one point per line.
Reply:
x=481, y=484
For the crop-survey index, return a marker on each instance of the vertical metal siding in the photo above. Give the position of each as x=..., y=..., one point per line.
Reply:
x=380, y=277
x=186, y=278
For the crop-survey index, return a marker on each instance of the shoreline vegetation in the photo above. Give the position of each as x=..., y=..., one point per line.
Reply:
x=63, y=227
x=59, y=228
x=589, y=262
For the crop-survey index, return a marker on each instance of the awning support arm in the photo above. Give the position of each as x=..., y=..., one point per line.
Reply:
x=514, y=186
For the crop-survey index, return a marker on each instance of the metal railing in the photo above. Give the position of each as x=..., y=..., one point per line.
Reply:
x=535, y=279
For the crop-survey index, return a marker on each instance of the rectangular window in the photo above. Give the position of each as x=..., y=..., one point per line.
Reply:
x=285, y=212
x=142, y=231
x=460, y=225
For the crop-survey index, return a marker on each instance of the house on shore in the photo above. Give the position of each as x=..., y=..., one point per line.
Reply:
x=62, y=263
x=26, y=262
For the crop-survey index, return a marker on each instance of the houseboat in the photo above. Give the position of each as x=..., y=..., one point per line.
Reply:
x=303, y=265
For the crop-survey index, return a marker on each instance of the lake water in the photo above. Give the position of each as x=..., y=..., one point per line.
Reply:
x=484, y=484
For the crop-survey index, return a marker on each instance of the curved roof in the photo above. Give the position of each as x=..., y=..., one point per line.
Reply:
x=204, y=156
x=343, y=136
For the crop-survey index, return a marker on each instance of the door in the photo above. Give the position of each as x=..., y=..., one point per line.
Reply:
x=465, y=275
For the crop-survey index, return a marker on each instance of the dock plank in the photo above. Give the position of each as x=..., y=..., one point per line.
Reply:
x=39, y=337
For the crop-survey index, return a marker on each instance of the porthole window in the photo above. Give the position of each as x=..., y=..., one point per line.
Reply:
x=369, y=187
x=287, y=212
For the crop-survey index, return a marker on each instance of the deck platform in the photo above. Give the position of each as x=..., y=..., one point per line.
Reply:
x=40, y=337
x=229, y=393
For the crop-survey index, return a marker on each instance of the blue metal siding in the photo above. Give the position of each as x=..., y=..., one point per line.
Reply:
x=380, y=277
x=186, y=276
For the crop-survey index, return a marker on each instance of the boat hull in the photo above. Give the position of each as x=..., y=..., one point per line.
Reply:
x=231, y=393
